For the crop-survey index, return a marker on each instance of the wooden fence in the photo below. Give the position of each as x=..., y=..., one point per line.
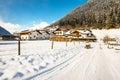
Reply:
x=66, y=39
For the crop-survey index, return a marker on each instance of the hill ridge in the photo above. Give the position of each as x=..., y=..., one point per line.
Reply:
x=94, y=14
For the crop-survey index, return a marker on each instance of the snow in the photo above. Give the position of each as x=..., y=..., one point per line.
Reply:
x=35, y=56
x=72, y=62
x=112, y=33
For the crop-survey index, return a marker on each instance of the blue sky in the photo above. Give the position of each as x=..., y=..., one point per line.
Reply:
x=28, y=12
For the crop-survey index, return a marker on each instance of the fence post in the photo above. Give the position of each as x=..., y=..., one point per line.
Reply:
x=74, y=42
x=66, y=44
x=18, y=46
x=52, y=45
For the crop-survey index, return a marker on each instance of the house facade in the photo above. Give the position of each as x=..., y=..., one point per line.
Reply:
x=34, y=35
x=44, y=35
x=86, y=33
x=25, y=35
x=75, y=34
x=59, y=32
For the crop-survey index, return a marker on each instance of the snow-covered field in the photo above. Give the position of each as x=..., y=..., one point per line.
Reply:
x=72, y=62
x=30, y=47
x=112, y=33
x=36, y=56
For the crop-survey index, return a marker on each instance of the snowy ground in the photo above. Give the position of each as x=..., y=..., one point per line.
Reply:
x=99, y=63
x=71, y=62
x=112, y=33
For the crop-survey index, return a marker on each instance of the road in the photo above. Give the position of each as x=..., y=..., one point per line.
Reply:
x=98, y=63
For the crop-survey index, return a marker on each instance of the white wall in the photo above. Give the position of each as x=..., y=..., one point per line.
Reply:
x=24, y=37
x=34, y=35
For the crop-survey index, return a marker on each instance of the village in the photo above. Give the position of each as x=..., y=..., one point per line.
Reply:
x=54, y=34
x=70, y=53
x=59, y=40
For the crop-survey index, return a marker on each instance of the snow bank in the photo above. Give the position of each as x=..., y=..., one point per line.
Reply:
x=16, y=67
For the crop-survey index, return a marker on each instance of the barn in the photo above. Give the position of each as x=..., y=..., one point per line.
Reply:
x=5, y=35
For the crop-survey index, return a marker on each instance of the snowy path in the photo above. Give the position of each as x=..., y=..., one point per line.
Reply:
x=98, y=63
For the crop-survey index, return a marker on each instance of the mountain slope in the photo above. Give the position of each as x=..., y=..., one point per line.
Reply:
x=94, y=14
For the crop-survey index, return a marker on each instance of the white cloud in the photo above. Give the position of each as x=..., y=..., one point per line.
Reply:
x=10, y=26
x=40, y=25
x=16, y=27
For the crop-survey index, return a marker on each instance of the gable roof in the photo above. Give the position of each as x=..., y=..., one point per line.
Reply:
x=58, y=29
x=4, y=32
x=76, y=33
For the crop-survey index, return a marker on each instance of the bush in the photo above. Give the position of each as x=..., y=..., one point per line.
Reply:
x=106, y=39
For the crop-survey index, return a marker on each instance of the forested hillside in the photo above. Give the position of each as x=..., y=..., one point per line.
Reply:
x=94, y=14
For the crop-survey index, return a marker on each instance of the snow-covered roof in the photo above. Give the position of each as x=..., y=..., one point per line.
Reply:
x=4, y=32
x=25, y=31
x=68, y=32
x=84, y=31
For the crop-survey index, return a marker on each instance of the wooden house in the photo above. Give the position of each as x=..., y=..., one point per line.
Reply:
x=25, y=35
x=34, y=35
x=44, y=34
x=86, y=33
x=59, y=32
x=75, y=34
x=67, y=32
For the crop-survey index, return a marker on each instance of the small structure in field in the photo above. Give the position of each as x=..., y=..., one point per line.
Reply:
x=87, y=46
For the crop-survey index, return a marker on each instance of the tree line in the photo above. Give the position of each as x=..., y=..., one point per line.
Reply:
x=101, y=14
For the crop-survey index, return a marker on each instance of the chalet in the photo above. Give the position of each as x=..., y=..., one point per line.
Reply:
x=75, y=34
x=25, y=35
x=86, y=33
x=5, y=35
x=44, y=34
x=62, y=32
x=34, y=35
x=59, y=32
x=52, y=29
x=52, y=34
x=67, y=33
